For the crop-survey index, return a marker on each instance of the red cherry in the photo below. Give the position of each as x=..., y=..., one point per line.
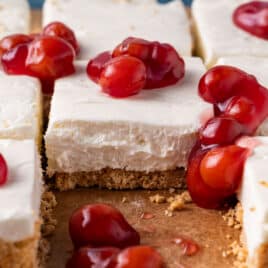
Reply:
x=135, y=47
x=96, y=65
x=87, y=257
x=202, y=195
x=11, y=41
x=220, y=131
x=123, y=76
x=252, y=17
x=222, y=168
x=101, y=225
x=50, y=58
x=165, y=67
x=3, y=170
x=141, y=256
x=61, y=30
x=223, y=82
x=13, y=61
x=241, y=109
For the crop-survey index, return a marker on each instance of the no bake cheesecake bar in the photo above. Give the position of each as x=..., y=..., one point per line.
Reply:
x=20, y=108
x=14, y=17
x=101, y=25
x=20, y=199
x=217, y=34
x=140, y=141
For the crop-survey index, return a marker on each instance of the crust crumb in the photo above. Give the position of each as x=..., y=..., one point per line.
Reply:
x=158, y=199
x=233, y=217
x=264, y=183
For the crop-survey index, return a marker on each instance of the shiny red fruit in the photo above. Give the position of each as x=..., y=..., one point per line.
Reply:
x=252, y=17
x=96, y=65
x=221, y=131
x=11, y=41
x=165, y=67
x=3, y=170
x=223, y=82
x=61, y=30
x=87, y=257
x=50, y=57
x=123, y=76
x=101, y=225
x=139, y=257
x=135, y=47
x=222, y=168
x=13, y=61
x=202, y=195
x=163, y=64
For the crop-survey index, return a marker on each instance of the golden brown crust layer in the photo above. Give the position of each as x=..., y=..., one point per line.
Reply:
x=20, y=254
x=121, y=179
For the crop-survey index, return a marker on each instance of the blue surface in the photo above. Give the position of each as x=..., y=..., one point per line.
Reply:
x=38, y=3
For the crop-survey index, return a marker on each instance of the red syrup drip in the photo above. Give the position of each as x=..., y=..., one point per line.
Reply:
x=188, y=246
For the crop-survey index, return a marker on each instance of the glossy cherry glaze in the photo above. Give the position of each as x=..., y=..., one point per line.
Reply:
x=163, y=64
x=187, y=245
x=215, y=166
x=87, y=257
x=61, y=30
x=252, y=17
x=139, y=256
x=96, y=65
x=3, y=171
x=100, y=225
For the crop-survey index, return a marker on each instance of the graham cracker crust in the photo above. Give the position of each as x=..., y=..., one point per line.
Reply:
x=21, y=254
x=121, y=179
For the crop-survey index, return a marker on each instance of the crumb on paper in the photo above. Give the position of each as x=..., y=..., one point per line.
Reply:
x=236, y=250
x=252, y=209
x=177, y=205
x=158, y=199
x=168, y=213
x=124, y=200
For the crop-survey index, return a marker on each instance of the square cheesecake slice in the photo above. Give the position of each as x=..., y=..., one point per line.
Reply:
x=218, y=36
x=101, y=25
x=140, y=141
x=20, y=200
x=20, y=108
x=255, y=66
x=15, y=17
x=253, y=197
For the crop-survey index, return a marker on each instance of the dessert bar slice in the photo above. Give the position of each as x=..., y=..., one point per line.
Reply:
x=140, y=141
x=101, y=25
x=14, y=17
x=217, y=34
x=19, y=205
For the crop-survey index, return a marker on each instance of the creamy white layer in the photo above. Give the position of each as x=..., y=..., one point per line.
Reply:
x=217, y=34
x=20, y=197
x=253, y=196
x=152, y=131
x=20, y=107
x=253, y=65
x=103, y=24
x=15, y=17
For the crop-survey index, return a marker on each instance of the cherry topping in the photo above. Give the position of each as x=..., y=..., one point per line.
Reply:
x=96, y=65
x=101, y=225
x=61, y=30
x=164, y=65
x=123, y=76
x=140, y=256
x=13, y=61
x=3, y=170
x=87, y=257
x=252, y=17
x=220, y=131
x=50, y=58
x=11, y=41
x=222, y=168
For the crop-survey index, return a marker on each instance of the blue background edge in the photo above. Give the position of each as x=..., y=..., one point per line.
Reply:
x=38, y=3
